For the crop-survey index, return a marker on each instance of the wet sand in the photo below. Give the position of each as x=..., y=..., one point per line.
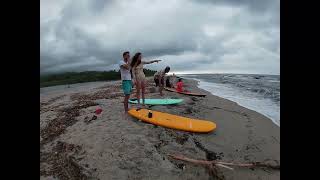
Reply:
x=74, y=144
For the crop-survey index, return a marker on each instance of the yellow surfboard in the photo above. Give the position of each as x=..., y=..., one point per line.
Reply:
x=173, y=121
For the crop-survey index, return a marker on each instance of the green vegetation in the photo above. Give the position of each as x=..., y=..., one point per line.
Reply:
x=80, y=77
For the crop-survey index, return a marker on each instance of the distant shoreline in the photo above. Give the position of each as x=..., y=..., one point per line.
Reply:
x=69, y=78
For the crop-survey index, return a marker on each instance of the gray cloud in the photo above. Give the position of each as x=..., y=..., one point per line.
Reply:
x=205, y=36
x=256, y=6
x=100, y=5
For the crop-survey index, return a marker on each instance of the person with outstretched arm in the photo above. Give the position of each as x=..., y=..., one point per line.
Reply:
x=159, y=78
x=126, y=79
x=139, y=76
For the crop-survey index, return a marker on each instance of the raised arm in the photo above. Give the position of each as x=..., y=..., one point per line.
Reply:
x=150, y=62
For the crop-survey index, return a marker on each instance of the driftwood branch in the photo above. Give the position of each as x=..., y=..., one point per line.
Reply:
x=225, y=164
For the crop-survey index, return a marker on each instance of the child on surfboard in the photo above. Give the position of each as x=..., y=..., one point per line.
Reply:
x=179, y=86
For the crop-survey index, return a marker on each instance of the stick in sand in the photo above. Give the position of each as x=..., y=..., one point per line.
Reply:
x=224, y=164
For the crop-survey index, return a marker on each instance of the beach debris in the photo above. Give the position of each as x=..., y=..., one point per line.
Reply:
x=194, y=99
x=211, y=165
x=210, y=155
x=98, y=110
x=65, y=118
x=181, y=166
x=191, y=103
x=181, y=139
x=50, y=101
x=188, y=110
x=102, y=94
x=94, y=117
x=62, y=162
x=66, y=148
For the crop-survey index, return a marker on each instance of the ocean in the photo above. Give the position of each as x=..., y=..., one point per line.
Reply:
x=260, y=93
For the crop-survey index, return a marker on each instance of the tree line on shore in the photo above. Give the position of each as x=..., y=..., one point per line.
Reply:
x=81, y=77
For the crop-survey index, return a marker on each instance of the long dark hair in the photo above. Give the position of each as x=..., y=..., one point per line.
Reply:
x=135, y=59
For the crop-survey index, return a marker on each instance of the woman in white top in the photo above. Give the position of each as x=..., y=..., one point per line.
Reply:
x=138, y=74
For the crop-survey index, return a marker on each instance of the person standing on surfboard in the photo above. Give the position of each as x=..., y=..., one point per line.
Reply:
x=126, y=78
x=138, y=74
x=159, y=78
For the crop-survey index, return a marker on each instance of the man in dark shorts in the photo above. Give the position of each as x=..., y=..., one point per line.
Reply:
x=159, y=78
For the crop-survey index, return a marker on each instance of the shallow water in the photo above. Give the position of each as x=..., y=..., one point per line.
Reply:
x=260, y=93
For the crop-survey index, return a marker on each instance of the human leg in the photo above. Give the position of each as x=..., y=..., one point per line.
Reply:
x=138, y=89
x=127, y=88
x=161, y=84
x=143, y=89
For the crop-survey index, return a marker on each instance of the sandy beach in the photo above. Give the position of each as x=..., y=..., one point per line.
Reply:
x=76, y=144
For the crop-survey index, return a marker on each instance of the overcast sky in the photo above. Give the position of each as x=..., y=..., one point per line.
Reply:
x=191, y=36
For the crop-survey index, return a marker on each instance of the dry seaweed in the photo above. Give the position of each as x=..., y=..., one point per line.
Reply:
x=66, y=117
x=62, y=164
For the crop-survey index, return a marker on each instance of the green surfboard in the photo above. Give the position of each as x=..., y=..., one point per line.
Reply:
x=157, y=101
